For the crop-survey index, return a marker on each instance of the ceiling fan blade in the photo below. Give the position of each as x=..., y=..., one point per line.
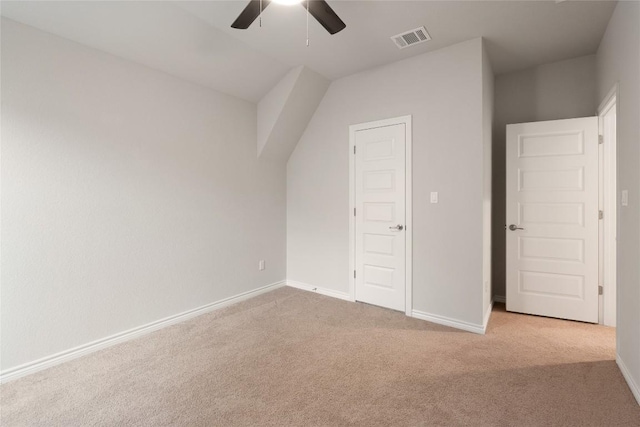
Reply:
x=249, y=14
x=323, y=13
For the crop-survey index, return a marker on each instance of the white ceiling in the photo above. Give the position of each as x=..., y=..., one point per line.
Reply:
x=194, y=40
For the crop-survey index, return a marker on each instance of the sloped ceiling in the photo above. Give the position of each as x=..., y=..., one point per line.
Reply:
x=158, y=35
x=193, y=39
x=283, y=114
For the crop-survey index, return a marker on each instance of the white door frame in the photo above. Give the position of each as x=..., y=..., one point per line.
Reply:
x=406, y=120
x=608, y=204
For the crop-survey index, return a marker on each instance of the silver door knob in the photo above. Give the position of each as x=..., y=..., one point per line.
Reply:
x=514, y=227
x=397, y=228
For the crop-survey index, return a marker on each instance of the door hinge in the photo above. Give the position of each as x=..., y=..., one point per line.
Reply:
x=354, y=149
x=600, y=290
x=354, y=211
x=354, y=274
x=600, y=139
x=600, y=214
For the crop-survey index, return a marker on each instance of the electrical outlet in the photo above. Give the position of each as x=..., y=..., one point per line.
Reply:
x=625, y=198
x=261, y=265
x=433, y=197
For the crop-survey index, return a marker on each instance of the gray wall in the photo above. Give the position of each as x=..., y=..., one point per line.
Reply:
x=127, y=196
x=561, y=90
x=442, y=90
x=618, y=60
x=488, y=89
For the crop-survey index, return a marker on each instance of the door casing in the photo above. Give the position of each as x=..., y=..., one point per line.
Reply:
x=608, y=204
x=406, y=120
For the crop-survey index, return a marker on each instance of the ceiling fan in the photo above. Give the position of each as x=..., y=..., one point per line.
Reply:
x=319, y=9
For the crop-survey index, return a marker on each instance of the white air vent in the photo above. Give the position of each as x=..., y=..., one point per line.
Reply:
x=419, y=35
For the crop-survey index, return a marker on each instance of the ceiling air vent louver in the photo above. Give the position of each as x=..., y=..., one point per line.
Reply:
x=419, y=35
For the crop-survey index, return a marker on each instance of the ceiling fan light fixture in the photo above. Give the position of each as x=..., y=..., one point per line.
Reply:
x=318, y=9
x=287, y=2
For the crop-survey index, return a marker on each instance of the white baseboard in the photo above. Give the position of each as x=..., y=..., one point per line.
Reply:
x=635, y=389
x=323, y=291
x=500, y=298
x=441, y=320
x=487, y=317
x=446, y=321
x=74, y=353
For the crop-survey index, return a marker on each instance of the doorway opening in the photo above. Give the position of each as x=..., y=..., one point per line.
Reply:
x=562, y=217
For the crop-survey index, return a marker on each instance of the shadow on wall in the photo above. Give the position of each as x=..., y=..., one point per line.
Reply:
x=560, y=90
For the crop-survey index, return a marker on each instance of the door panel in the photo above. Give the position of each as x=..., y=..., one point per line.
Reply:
x=552, y=197
x=380, y=206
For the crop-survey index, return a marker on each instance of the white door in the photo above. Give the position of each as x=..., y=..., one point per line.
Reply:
x=380, y=216
x=552, y=218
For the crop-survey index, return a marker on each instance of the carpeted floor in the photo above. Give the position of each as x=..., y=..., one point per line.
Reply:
x=294, y=358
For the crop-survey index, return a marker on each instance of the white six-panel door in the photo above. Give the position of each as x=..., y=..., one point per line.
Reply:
x=552, y=212
x=380, y=216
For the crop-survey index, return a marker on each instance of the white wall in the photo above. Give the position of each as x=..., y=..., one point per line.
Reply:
x=618, y=60
x=284, y=112
x=271, y=105
x=560, y=90
x=442, y=90
x=128, y=196
x=487, y=143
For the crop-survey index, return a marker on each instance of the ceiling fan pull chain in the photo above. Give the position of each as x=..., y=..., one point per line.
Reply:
x=307, y=22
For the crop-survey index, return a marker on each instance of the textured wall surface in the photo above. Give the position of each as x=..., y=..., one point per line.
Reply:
x=442, y=90
x=127, y=196
x=619, y=62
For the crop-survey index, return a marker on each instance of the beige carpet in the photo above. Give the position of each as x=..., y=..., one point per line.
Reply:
x=291, y=357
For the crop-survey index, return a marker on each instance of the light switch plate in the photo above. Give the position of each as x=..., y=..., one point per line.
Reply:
x=625, y=198
x=434, y=197
x=261, y=265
